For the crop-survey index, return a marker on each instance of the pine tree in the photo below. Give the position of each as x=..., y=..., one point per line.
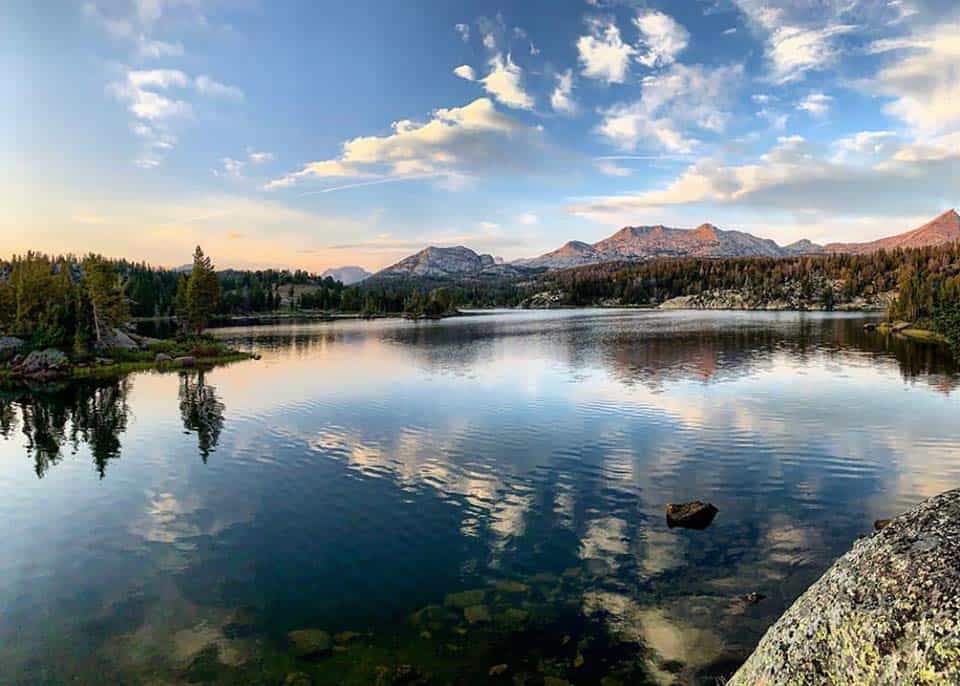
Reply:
x=104, y=292
x=203, y=292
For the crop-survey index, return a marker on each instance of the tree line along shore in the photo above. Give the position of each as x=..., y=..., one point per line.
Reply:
x=83, y=307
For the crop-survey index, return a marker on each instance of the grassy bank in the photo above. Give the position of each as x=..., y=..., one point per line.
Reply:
x=171, y=354
x=916, y=332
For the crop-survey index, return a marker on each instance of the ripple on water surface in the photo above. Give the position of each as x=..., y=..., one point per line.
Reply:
x=362, y=472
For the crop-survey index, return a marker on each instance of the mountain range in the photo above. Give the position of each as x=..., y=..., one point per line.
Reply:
x=637, y=243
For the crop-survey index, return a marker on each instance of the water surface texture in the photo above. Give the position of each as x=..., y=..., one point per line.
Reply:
x=482, y=492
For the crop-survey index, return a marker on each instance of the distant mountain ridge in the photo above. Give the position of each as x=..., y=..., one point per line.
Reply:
x=636, y=243
x=646, y=242
x=942, y=229
x=346, y=275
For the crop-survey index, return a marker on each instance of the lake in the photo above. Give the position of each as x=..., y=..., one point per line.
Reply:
x=453, y=500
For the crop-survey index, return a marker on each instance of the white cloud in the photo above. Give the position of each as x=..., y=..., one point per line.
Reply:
x=465, y=71
x=611, y=168
x=804, y=36
x=816, y=104
x=234, y=168
x=866, y=143
x=562, y=97
x=148, y=104
x=455, y=142
x=463, y=30
x=158, y=78
x=794, y=51
x=505, y=83
x=147, y=93
x=603, y=54
x=207, y=86
x=924, y=84
x=662, y=37
x=156, y=48
x=797, y=176
x=261, y=157
x=730, y=31
x=681, y=98
x=528, y=219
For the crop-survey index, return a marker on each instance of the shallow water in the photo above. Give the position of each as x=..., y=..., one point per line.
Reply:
x=172, y=528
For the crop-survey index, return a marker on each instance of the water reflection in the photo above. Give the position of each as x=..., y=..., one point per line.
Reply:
x=377, y=470
x=95, y=414
x=201, y=411
x=90, y=413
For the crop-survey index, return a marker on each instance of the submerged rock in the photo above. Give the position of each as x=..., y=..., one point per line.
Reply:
x=498, y=670
x=695, y=515
x=887, y=612
x=298, y=679
x=476, y=614
x=310, y=642
x=464, y=599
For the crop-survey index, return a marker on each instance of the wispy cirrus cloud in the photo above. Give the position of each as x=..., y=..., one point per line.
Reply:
x=158, y=97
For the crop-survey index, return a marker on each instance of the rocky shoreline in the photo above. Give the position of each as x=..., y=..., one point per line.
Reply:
x=887, y=612
x=20, y=366
x=737, y=300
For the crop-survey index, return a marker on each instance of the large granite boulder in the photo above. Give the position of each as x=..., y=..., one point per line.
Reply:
x=887, y=612
x=117, y=339
x=44, y=363
x=9, y=347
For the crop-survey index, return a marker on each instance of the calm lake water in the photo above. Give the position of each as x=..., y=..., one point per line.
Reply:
x=172, y=528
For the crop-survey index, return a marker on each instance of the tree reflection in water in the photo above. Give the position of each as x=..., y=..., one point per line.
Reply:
x=91, y=413
x=95, y=414
x=201, y=411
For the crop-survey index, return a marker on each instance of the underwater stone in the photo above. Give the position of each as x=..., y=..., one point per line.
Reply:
x=298, y=679
x=695, y=515
x=511, y=586
x=498, y=670
x=464, y=598
x=310, y=642
x=887, y=612
x=476, y=614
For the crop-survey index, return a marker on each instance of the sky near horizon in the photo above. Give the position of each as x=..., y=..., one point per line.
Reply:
x=322, y=134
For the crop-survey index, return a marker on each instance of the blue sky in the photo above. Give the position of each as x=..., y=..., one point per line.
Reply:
x=321, y=134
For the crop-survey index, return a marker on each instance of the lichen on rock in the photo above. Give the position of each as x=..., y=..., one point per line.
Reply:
x=887, y=612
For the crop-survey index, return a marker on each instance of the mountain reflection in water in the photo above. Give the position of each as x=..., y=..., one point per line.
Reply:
x=364, y=471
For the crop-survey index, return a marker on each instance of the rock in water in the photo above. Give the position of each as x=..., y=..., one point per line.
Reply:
x=887, y=612
x=695, y=515
x=185, y=361
x=881, y=524
x=310, y=642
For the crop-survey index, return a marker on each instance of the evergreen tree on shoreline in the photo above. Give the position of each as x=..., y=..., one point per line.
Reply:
x=202, y=293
